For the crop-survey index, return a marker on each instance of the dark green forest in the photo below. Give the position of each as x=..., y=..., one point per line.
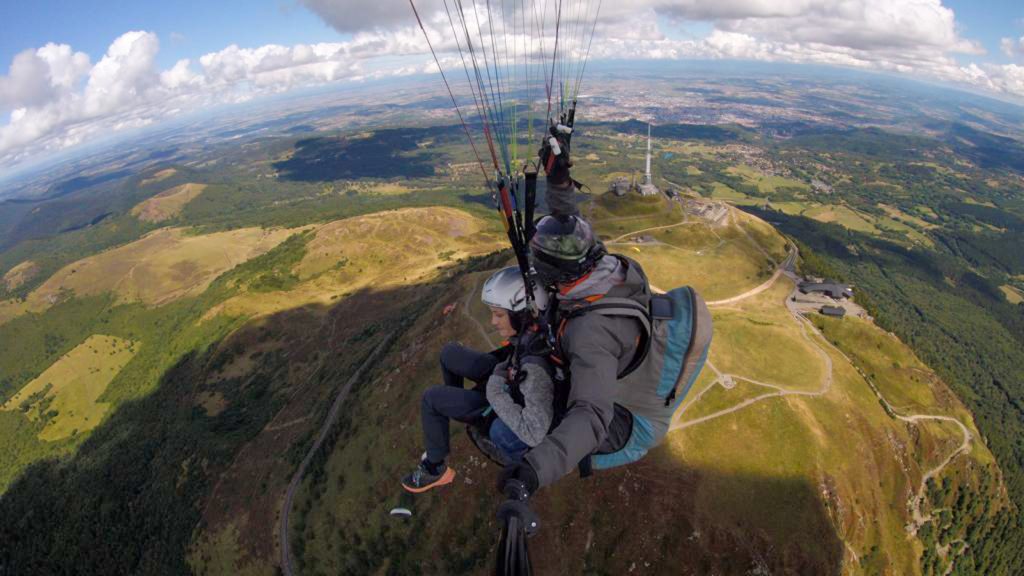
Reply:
x=382, y=154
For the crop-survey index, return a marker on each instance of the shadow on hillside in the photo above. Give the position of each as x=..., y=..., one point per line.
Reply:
x=130, y=499
x=142, y=487
x=652, y=517
x=659, y=516
x=388, y=153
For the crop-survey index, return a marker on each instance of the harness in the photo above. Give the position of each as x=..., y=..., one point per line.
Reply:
x=612, y=303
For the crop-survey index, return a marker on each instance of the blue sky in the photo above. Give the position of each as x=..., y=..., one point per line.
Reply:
x=186, y=29
x=73, y=69
x=989, y=21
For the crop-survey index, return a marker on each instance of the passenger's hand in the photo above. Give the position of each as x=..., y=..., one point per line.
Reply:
x=501, y=370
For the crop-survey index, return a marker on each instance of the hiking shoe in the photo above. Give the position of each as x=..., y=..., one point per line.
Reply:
x=421, y=480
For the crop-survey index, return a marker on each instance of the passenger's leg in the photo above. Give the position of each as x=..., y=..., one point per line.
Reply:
x=505, y=439
x=440, y=405
x=459, y=362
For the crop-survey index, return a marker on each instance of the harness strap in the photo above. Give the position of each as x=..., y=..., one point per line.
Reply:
x=586, y=466
x=611, y=306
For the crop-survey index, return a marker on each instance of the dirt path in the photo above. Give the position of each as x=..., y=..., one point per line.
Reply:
x=332, y=416
x=652, y=229
x=918, y=519
x=807, y=329
x=786, y=264
x=814, y=336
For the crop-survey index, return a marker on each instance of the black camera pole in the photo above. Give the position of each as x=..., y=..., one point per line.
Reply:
x=520, y=523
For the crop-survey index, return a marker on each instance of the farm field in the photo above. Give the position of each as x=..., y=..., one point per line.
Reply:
x=163, y=266
x=1013, y=294
x=167, y=204
x=841, y=215
x=67, y=394
x=765, y=183
x=373, y=252
x=158, y=176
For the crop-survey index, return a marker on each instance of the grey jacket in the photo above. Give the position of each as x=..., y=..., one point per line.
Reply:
x=532, y=421
x=597, y=348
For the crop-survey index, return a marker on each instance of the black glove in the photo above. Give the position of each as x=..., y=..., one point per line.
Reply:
x=518, y=481
x=555, y=159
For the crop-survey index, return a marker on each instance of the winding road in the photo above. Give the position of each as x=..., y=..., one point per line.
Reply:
x=332, y=416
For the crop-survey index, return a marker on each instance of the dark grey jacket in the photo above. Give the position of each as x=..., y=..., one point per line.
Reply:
x=597, y=348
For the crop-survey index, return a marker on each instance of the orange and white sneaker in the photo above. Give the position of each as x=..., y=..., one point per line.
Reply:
x=421, y=480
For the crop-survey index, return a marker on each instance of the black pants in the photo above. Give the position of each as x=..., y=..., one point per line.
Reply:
x=441, y=404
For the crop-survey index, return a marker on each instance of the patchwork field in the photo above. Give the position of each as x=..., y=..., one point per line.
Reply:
x=167, y=204
x=765, y=183
x=66, y=396
x=843, y=216
x=158, y=176
x=383, y=189
x=375, y=251
x=162, y=266
x=1013, y=295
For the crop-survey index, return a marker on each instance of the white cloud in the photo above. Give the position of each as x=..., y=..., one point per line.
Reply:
x=180, y=75
x=54, y=97
x=856, y=24
x=124, y=76
x=27, y=82
x=40, y=76
x=349, y=16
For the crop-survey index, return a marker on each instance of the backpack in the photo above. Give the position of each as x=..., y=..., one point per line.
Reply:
x=674, y=345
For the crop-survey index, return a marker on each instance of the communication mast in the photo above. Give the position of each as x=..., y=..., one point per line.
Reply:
x=648, y=188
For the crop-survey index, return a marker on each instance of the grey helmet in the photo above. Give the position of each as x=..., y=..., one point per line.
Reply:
x=506, y=289
x=564, y=249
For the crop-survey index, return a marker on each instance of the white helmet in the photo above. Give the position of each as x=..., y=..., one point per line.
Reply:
x=506, y=289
